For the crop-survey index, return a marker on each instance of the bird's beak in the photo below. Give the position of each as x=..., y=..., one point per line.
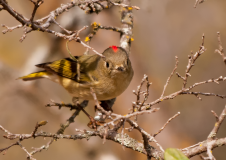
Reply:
x=120, y=68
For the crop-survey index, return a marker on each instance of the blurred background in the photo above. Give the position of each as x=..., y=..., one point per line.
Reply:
x=162, y=30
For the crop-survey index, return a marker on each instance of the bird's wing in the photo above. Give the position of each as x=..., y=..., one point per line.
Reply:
x=66, y=68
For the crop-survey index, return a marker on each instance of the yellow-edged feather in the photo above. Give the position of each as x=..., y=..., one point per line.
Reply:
x=64, y=68
x=35, y=75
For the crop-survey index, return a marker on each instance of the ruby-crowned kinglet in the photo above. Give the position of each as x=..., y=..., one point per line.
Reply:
x=109, y=76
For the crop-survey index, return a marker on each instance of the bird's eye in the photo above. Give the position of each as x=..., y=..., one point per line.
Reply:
x=107, y=64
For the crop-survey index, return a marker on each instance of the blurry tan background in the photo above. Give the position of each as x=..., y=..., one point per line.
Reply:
x=162, y=30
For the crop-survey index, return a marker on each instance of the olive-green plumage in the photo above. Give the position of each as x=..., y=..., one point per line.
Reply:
x=108, y=76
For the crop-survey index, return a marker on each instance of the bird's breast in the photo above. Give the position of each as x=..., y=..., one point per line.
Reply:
x=105, y=88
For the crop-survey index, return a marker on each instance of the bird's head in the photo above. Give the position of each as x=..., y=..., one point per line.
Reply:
x=116, y=62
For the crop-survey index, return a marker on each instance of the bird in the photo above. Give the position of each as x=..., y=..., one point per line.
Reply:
x=108, y=76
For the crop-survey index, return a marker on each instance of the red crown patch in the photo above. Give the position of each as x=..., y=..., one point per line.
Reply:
x=115, y=48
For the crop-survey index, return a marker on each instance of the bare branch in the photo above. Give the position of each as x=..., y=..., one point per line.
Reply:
x=95, y=29
x=204, y=94
x=209, y=150
x=44, y=23
x=215, y=115
x=198, y=2
x=62, y=128
x=217, y=125
x=167, y=82
x=111, y=135
x=202, y=147
x=60, y=105
x=139, y=92
x=119, y=117
x=191, y=61
x=124, y=5
x=164, y=126
x=5, y=149
x=37, y=126
x=146, y=136
x=36, y=5
x=127, y=25
x=220, y=50
x=187, y=91
x=10, y=29
x=92, y=49
x=29, y=156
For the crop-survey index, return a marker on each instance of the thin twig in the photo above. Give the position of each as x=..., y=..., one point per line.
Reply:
x=198, y=2
x=146, y=93
x=29, y=156
x=92, y=49
x=10, y=29
x=138, y=93
x=119, y=117
x=62, y=128
x=221, y=118
x=191, y=61
x=164, y=126
x=44, y=23
x=42, y=123
x=220, y=50
x=124, y=5
x=95, y=29
x=167, y=82
x=215, y=115
x=36, y=5
x=6, y=148
x=145, y=135
x=204, y=94
x=60, y=105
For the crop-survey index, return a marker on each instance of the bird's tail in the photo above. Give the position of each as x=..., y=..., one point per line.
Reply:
x=35, y=75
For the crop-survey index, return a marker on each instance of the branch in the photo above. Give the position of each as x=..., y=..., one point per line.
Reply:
x=198, y=2
x=29, y=156
x=220, y=50
x=119, y=117
x=217, y=125
x=204, y=94
x=211, y=142
x=36, y=5
x=42, y=123
x=127, y=25
x=202, y=147
x=112, y=135
x=167, y=82
x=44, y=23
x=10, y=29
x=164, y=126
x=60, y=105
x=5, y=149
x=62, y=128
x=148, y=136
x=139, y=92
x=191, y=61
x=124, y=5
x=95, y=29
